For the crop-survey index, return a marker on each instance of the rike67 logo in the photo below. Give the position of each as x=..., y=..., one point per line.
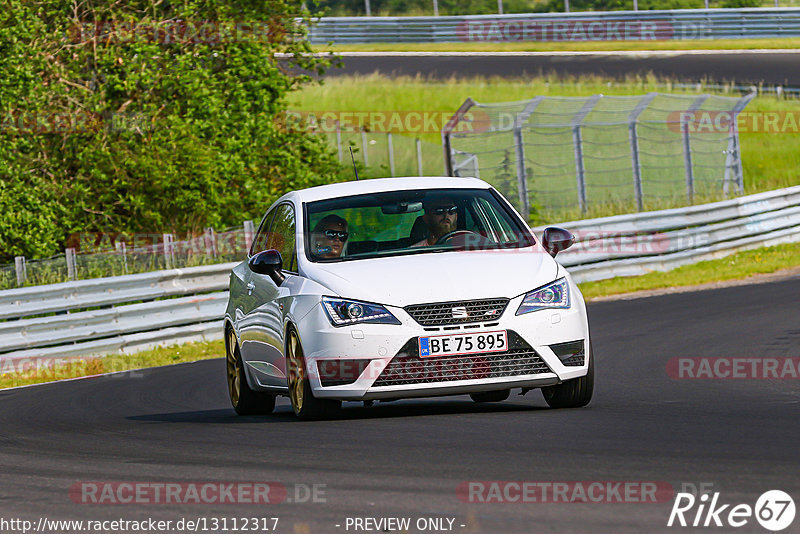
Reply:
x=774, y=510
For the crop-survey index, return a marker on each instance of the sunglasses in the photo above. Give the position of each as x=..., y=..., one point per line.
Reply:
x=452, y=210
x=336, y=234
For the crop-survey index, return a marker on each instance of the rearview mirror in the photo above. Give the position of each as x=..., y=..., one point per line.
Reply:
x=270, y=263
x=556, y=239
x=401, y=207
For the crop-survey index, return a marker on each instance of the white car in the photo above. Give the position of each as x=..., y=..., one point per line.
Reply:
x=403, y=287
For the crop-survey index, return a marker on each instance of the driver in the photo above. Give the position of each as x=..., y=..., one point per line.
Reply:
x=441, y=217
x=329, y=237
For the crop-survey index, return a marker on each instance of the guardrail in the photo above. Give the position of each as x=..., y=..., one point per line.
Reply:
x=584, y=26
x=188, y=304
x=628, y=245
x=114, y=314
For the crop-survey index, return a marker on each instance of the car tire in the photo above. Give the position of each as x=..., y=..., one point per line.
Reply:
x=305, y=405
x=244, y=400
x=491, y=396
x=573, y=393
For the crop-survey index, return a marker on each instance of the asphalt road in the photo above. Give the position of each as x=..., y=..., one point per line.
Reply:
x=407, y=458
x=772, y=68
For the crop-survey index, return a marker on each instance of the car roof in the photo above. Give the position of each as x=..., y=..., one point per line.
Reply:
x=379, y=185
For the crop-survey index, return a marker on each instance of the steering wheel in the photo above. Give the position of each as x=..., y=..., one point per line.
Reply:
x=455, y=233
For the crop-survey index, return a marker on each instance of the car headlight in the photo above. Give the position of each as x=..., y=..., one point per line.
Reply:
x=553, y=295
x=342, y=312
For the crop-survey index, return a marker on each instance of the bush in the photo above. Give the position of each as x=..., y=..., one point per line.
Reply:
x=741, y=3
x=104, y=130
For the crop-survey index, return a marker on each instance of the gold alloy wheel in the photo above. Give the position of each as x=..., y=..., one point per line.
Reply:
x=234, y=385
x=296, y=373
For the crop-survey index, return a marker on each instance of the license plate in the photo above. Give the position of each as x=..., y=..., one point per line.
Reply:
x=455, y=344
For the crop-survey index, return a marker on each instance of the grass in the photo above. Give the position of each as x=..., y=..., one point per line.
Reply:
x=770, y=160
x=734, y=267
x=569, y=46
x=37, y=371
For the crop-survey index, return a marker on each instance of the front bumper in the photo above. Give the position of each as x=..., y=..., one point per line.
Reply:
x=380, y=345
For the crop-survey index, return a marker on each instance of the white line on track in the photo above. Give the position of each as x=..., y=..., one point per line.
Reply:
x=562, y=53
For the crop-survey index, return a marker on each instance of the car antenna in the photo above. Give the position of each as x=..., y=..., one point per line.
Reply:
x=353, y=158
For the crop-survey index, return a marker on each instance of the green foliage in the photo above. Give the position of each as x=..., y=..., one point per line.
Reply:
x=166, y=129
x=741, y=3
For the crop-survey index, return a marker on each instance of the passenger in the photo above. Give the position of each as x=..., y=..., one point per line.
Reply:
x=329, y=237
x=441, y=217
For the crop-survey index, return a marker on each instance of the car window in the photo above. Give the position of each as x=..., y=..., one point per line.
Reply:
x=282, y=235
x=260, y=241
x=401, y=222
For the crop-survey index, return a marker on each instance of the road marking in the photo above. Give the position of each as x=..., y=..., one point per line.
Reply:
x=562, y=53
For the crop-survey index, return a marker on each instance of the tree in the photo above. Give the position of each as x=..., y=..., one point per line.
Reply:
x=149, y=117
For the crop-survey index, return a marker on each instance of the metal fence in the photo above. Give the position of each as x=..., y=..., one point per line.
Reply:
x=97, y=255
x=118, y=314
x=553, y=153
x=570, y=27
x=639, y=243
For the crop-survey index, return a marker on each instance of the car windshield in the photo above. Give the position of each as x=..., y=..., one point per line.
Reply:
x=410, y=222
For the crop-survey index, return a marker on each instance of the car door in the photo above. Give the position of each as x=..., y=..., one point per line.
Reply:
x=261, y=327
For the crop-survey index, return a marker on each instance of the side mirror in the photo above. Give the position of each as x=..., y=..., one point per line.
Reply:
x=556, y=239
x=270, y=263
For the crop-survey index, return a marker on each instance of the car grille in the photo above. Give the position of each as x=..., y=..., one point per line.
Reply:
x=576, y=360
x=408, y=368
x=466, y=311
x=571, y=353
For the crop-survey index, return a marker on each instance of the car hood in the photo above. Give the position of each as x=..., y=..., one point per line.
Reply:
x=437, y=276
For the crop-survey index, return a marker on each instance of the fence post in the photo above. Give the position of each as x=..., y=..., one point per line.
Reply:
x=69, y=253
x=391, y=153
x=566, y=6
x=637, y=166
x=519, y=145
x=249, y=234
x=364, y=146
x=737, y=156
x=122, y=249
x=687, y=147
x=419, y=157
x=369, y=11
x=169, y=250
x=22, y=270
x=687, y=162
x=448, y=129
x=633, y=133
x=339, y=140
x=435, y=8
x=577, y=140
x=499, y=7
x=210, y=242
x=580, y=173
